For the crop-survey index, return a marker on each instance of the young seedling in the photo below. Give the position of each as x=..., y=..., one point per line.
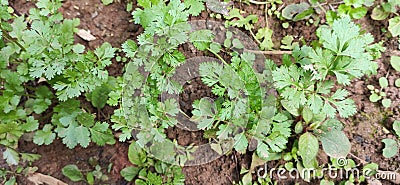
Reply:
x=378, y=94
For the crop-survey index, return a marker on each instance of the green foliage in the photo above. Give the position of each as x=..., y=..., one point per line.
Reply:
x=391, y=148
x=90, y=176
x=396, y=128
x=305, y=85
x=107, y=2
x=72, y=172
x=297, y=12
x=378, y=94
x=343, y=56
x=75, y=127
x=141, y=172
x=383, y=10
x=394, y=26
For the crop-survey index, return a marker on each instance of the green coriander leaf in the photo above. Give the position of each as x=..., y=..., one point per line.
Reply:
x=44, y=136
x=201, y=39
x=194, y=6
x=101, y=134
x=240, y=142
x=11, y=156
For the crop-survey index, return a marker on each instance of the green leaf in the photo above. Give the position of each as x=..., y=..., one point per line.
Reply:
x=90, y=178
x=194, y=6
x=204, y=113
x=378, y=13
x=326, y=182
x=395, y=62
x=391, y=148
x=292, y=10
x=386, y=103
x=307, y=114
x=99, y=96
x=374, y=97
x=201, y=39
x=394, y=26
x=396, y=128
x=44, y=136
x=397, y=82
x=308, y=147
x=101, y=134
x=136, y=155
x=129, y=47
x=11, y=156
x=240, y=142
x=383, y=82
x=82, y=136
x=265, y=36
x=107, y=2
x=154, y=178
x=72, y=172
x=335, y=143
x=129, y=173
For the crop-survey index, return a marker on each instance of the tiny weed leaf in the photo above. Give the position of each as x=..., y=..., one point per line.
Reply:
x=396, y=128
x=395, y=62
x=335, y=143
x=308, y=147
x=383, y=82
x=136, y=155
x=394, y=26
x=391, y=148
x=129, y=173
x=386, y=103
x=374, y=97
x=72, y=172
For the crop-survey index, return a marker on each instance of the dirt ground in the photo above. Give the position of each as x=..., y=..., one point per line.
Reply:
x=113, y=24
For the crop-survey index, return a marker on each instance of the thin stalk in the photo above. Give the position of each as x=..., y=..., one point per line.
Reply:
x=274, y=52
x=258, y=2
x=9, y=38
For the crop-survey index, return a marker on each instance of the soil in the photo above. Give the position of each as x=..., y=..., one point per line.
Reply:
x=112, y=24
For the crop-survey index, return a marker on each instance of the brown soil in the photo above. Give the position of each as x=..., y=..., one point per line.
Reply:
x=112, y=24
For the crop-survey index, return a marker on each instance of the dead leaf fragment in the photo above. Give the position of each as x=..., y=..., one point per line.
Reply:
x=85, y=35
x=38, y=179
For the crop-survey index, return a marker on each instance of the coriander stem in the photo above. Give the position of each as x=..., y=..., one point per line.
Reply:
x=257, y=2
x=218, y=56
x=254, y=36
x=9, y=38
x=274, y=52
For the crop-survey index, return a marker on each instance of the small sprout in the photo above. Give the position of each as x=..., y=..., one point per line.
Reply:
x=397, y=82
x=395, y=62
x=386, y=103
x=371, y=87
x=383, y=82
x=374, y=98
x=285, y=25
